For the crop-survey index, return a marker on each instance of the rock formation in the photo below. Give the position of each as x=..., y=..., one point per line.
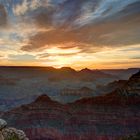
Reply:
x=128, y=94
x=107, y=117
x=9, y=133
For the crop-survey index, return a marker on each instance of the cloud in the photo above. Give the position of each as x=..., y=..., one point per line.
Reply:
x=46, y=55
x=53, y=37
x=3, y=16
x=25, y=6
x=22, y=57
x=22, y=8
x=54, y=29
x=43, y=17
x=112, y=27
x=121, y=63
x=137, y=57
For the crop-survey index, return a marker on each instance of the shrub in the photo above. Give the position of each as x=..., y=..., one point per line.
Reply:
x=14, y=137
x=132, y=137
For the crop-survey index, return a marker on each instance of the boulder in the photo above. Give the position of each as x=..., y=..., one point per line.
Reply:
x=10, y=132
x=1, y=136
x=3, y=124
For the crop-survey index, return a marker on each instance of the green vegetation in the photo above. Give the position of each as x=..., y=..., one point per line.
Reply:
x=132, y=137
x=14, y=137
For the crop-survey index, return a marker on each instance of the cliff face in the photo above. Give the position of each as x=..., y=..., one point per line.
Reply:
x=22, y=85
x=127, y=94
x=103, y=89
x=107, y=117
x=42, y=119
x=132, y=87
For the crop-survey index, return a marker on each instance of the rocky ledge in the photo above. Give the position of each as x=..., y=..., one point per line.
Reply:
x=10, y=133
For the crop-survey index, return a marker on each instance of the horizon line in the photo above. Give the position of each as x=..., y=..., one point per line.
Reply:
x=24, y=66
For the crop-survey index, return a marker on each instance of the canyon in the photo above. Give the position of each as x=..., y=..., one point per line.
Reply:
x=110, y=116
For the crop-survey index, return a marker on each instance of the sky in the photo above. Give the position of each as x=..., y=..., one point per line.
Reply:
x=97, y=34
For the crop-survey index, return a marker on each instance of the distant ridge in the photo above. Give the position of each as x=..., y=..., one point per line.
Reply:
x=86, y=70
x=67, y=68
x=43, y=98
x=128, y=94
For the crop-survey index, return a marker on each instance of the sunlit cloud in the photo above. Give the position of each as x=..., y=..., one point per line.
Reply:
x=78, y=33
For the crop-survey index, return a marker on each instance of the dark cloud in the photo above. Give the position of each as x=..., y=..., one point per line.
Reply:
x=130, y=9
x=68, y=11
x=87, y=24
x=3, y=15
x=42, y=16
x=52, y=37
x=104, y=34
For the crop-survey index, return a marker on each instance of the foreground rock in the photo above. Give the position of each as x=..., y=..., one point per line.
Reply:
x=7, y=133
x=3, y=124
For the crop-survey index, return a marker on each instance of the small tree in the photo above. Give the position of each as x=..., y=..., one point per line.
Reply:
x=132, y=137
